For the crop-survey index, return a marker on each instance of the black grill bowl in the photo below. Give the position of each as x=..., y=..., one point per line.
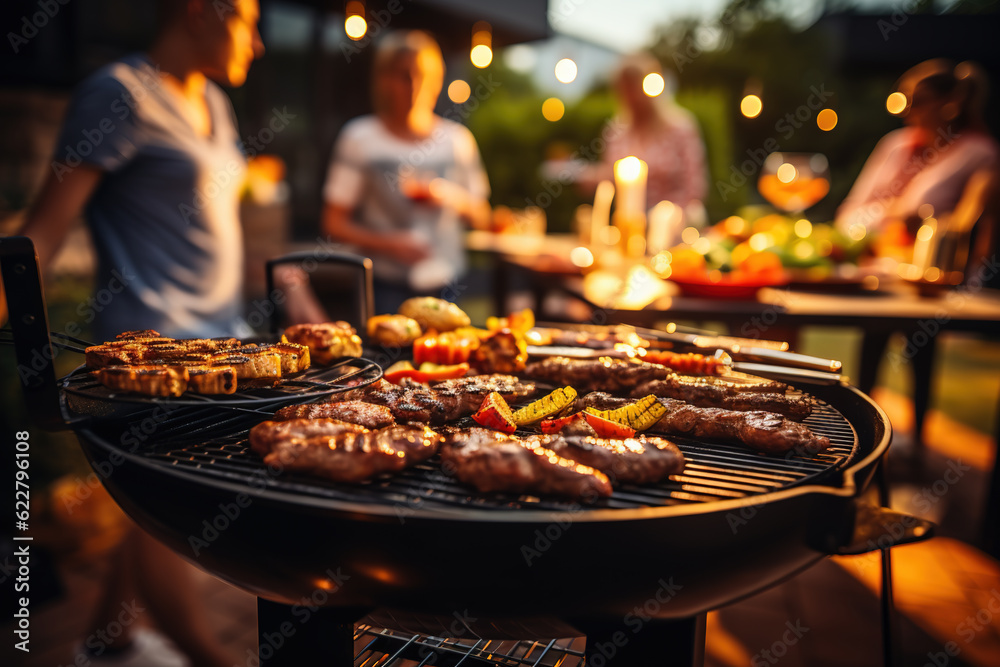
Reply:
x=499, y=570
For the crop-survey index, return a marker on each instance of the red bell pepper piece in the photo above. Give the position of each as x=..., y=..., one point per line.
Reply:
x=495, y=414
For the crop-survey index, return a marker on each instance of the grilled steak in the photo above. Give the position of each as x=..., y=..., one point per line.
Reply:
x=355, y=412
x=719, y=396
x=617, y=375
x=266, y=435
x=763, y=431
x=443, y=402
x=149, y=380
x=640, y=460
x=340, y=451
x=492, y=461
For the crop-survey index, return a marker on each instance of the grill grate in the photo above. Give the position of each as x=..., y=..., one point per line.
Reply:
x=376, y=647
x=214, y=443
x=314, y=383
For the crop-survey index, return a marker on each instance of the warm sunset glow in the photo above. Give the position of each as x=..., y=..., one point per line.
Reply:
x=826, y=120
x=459, y=91
x=751, y=106
x=553, y=109
x=653, y=84
x=895, y=103
x=566, y=71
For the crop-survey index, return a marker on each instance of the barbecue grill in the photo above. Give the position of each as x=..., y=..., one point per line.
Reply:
x=429, y=555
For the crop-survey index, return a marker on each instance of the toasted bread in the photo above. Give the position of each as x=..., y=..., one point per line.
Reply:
x=147, y=380
x=212, y=379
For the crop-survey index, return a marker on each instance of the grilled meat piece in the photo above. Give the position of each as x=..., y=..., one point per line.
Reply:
x=347, y=452
x=211, y=379
x=251, y=363
x=765, y=432
x=493, y=461
x=714, y=396
x=354, y=412
x=639, y=460
x=443, y=402
x=618, y=375
x=266, y=435
x=148, y=380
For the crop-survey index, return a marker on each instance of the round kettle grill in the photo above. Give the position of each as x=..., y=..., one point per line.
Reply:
x=424, y=554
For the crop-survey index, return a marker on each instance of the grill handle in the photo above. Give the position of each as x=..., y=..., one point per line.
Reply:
x=877, y=528
x=29, y=323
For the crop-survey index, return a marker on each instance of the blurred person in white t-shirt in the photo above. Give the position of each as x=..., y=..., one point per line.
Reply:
x=404, y=181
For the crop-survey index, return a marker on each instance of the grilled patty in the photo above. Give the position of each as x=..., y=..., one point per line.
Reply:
x=443, y=402
x=641, y=460
x=492, y=461
x=368, y=415
x=340, y=451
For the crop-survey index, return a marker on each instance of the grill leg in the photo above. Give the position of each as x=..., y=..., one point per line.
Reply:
x=324, y=637
x=680, y=642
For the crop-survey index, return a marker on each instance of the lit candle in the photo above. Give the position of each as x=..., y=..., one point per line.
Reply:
x=665, y=221
x=923, y=246
x=601, y=215
x=630, y=212
x=630, y=182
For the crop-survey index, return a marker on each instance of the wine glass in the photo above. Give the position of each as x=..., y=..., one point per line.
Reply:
x=793, y=182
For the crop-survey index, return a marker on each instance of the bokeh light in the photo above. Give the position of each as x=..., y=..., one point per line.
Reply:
x=566, y=71
x=787, y=172
x=653, y=84
x=481, y=55
x=355, y=26
x=553, y=109
x=459, y=91
x=751, y=106
x=581, y=257
x=689, y=235
x=826, y=119
x=895, y=103
x=803, y=228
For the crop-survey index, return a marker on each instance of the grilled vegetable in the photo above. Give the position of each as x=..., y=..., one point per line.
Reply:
x=427, y=372
x=450, y=347
x=638, y=416
x=607, y=428
x=545, y=406
x=495, y=414
x=604, y=428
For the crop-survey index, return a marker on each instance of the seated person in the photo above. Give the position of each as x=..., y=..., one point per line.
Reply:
x=926, y=167
x=657, y=131
x=402, y=180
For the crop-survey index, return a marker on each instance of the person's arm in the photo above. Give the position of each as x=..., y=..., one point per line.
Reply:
x=57, y=206
x=401, y=246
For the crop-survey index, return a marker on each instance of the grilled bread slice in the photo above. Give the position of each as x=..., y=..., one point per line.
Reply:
x=252, y=363
x=206, y=379
x=147, y=380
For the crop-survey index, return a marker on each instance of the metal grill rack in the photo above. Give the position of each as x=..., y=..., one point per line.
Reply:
x=377, y=647
x=315, y=383
x=214, y=444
